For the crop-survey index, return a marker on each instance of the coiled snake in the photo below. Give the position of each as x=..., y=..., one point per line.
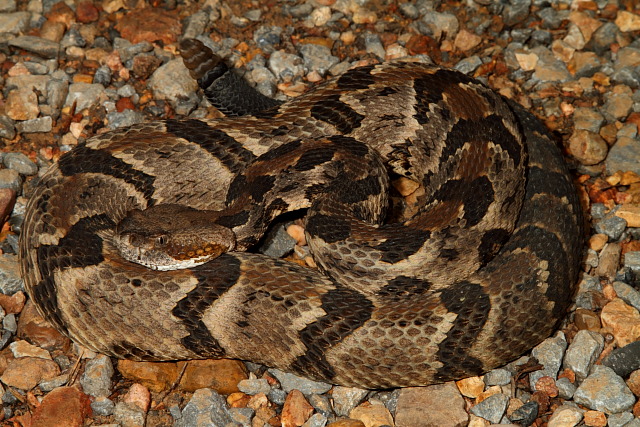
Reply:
x=483, y=270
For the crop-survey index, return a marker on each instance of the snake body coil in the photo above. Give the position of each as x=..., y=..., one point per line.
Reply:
x=481, y=272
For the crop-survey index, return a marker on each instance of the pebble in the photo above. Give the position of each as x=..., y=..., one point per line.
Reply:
x=583, y=352
x=296, y=410
x=442, y=402
x=128, y=415
x=623, y=156
x=10, y=276
x=172, y=81
x=627, y=293
x=497, y=377
x=566, y=388
x=372, y=413
x=492, y=408
x=254, y=386
x=26, y=372
x=290, y=382
x=620, y=419
x=85, y=95
x=373, y=45
x=526, y=414
x=64, y=406
x=7, y=127
x=96, y=380
x=318, y=58
x=43, y=47
x=623, y=320
x=549, y=353
x=612, y=226
x=566, y=416
x=103, y=406
x=14, y=23
x=37, y=125
x=205, y=408
x=603, y=390
x=441, y=24
x=22, y=104
x=345, y=399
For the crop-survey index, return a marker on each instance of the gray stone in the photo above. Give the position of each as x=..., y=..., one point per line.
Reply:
x=526, y=414
x=57, y=91
x=253, y=15
x=277, y=396
x=43, y=47
x=242, y=416
x=628, y=76
x=587, y=119
x=316, y=420
x=492, y=408
x=617, y=103
x=541, y=38
x=628, y=293
x=566, y=388
x=293, y=382
x=549, y=353
x=266, y=37
x=85, y=95
x=583, y=352
x=347, y=398
x=551, y=19
x=549, y=68
x=102, y=76
x=58, y=381
x=129, y=415
x=38, y=125
x=103, y=406
x=72, y=38
x=7, y=6
x=409, y=10
x=603, y=390
x=14, y=23
x=277, y=242
x=254, y=386
x=373, y=45
x=29, y=82
x=10, y=179
x=36, y=67
x=603, y=37
x=632, y=260
x=497, y=377
x=515, y=11
x=301, y=10
x=10, y=276
x=7, y=127
x=173, y=82
x=321, y=404
x=611, y=225
x=620, y=419
x=623, y=156
x=286, y=66
x=20, y=163
x=125, y=118
x=206, y=408
x=441, y=25
x=318, y=58
x=96, y=380
x=9, y=323
x=468, y=65
x=627, y=56
x=195, y=25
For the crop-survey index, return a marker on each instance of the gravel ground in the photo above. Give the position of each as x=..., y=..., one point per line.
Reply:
x=69, y=71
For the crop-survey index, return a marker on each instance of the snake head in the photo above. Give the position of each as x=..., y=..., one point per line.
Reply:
x=171, y=237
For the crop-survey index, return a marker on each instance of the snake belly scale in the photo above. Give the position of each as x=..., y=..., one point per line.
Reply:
x=481, y=273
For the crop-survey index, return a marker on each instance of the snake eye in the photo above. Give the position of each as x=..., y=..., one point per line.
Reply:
x=162, y=240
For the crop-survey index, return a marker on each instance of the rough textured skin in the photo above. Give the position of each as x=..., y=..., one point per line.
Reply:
x=483, y=272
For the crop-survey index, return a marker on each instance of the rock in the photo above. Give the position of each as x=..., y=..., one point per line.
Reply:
x=373, y=45
x=293, y=382
x=38, y=330
x=628, y=294
x=466, y=40
x=20, y=163
x=526, y=414
x=7, y=127
x=124, y=118
x=26, y=372
x=621, y=419
x=587, y=147
x=618, y=103
x=549, y=353
x=128, y=415
x=627, y=21
x=609, y=255
x=347, y=398
x=39, y=125
x=254, y=386
x=318, y=58
x=21, y=348
x=85, y=95
x=442, y=402
x=624, y=360
x=471, y=387
x=566, y=388
x=492, y=408
x=43, y=47
x=623, y=320
x=565, y=416
x=497, y=377
x=316, y=420
x=14, y=23
x=604, y=391
x=151, y=25
x=172, y=81
x=103, y=406
x=286, y=66
x=583, y=352
x=296, y=410
x=10, y=277
x=96, y=380
x=441, y=25
x=515, y=11
x=587, y=119
x=62, y=407
x=372, y=413
x=22, y=104
x=138, y=395
x=622, y=156
x=548, y=68
x=222, y=375
x=630, y=213
x=206, y=408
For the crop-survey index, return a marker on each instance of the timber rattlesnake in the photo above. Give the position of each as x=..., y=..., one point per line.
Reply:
x=483, y=272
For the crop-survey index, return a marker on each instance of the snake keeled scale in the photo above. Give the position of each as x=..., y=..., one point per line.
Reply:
x=482, y=272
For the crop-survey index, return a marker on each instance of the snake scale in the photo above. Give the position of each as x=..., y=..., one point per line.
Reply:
x=482, y=271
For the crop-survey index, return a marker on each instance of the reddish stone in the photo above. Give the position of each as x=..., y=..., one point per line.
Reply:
x=38, y=331
x=125, y=104
x=86, y=12
x=150, y=25
x=14, y=303
x=62, y=13
x=62, y=407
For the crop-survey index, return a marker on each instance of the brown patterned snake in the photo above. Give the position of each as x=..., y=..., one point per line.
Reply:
x=481, y=273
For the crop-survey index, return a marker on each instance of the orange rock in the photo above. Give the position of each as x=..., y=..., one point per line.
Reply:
x=634, y=382
x=14, y=303
x=149, y=24
x=124, y=104
x=62, y=13
x=86, y=12
x=595, y=419
x=471, y=387
x=347, y=423
x=38, y=331
x=7, y=200
x=296, y=410
x=547, y=385
x=623, y=320
x=221, y=375
x=372, y=414
x=26, y=372
x=62, y=407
